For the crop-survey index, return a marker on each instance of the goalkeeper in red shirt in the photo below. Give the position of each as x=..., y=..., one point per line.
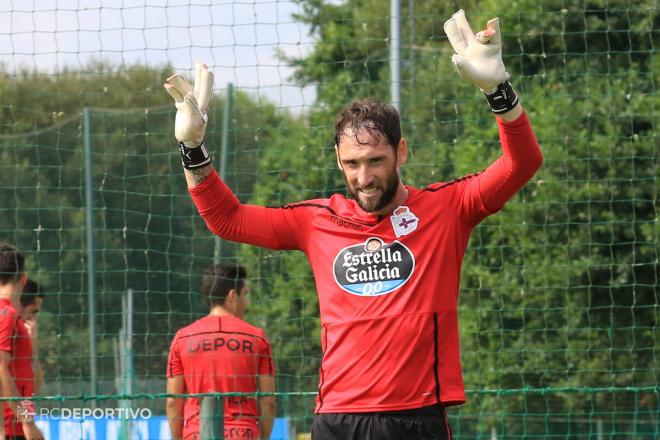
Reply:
x=222, y=353
x=387, y=260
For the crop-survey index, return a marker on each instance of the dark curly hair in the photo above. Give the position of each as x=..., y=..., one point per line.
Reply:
x=378, y=118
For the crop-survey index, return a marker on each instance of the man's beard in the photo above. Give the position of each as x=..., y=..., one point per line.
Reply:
x=388, y=193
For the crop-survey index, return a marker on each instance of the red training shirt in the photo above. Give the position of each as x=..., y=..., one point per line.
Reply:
x=15, y=340
x=221, y=354
x=387, y=286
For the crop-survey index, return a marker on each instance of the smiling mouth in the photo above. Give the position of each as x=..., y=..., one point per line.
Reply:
x=369, y=192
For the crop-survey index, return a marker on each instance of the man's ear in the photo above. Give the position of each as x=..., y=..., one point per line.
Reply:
x=338, y=158
x=231, y=296
x=402, y=152
x=22, y=281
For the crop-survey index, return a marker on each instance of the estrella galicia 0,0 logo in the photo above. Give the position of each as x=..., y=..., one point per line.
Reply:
x=373, y=268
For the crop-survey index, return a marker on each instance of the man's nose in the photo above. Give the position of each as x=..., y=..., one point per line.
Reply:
x=365, y=177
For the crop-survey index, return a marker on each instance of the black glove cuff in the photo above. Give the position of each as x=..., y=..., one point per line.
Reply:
x=193, y=158
x=503, y=99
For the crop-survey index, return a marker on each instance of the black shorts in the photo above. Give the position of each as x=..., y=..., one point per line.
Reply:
x=428, y=423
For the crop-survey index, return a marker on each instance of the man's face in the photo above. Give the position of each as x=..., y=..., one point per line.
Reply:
x=30, y=311
x=370, y=168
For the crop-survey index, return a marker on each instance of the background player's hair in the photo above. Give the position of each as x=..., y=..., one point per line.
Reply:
x=31, y=292
x=12, y=263
x=219, y=279
x=376, y=117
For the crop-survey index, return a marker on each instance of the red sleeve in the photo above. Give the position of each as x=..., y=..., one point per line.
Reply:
x=266, y=364
x=274, y=228
x=7, y=325
x=174, y=364
x=521, y=158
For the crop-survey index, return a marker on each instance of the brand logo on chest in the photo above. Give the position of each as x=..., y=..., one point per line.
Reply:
x=373, y=268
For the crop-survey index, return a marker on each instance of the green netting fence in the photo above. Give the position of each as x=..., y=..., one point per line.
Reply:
x=559, y=297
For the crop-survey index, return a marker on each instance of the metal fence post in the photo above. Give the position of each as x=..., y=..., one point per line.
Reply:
x=226, y=128
x=212, y=418
x=91, y=270
x=395, y=53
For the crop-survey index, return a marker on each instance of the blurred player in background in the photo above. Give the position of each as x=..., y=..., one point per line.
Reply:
x=31, y=301
x=386, y=263
x=222, y=353
x=16, y=374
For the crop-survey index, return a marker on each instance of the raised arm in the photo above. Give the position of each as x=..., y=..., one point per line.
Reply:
x=274, y=228
x=225, y=216
x=478, y=58
x=521, y=158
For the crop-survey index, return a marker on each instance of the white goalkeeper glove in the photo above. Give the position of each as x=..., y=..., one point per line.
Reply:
x=192, y=105
x=478, y=58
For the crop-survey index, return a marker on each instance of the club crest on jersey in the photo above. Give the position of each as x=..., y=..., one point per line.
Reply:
x=374, y=267
x=403, y=221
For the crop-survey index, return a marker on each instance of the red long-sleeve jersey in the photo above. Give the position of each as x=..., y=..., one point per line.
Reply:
x=387, y=285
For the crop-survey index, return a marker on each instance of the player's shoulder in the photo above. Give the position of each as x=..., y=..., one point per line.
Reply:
x=8, y=311
x=308, y=204
x=21, y=325
x=219, y=324
x=9, y=318
x=337, y=205
x=338, y=198
x=448, y=185
x=238, y=325
x=194, y=328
